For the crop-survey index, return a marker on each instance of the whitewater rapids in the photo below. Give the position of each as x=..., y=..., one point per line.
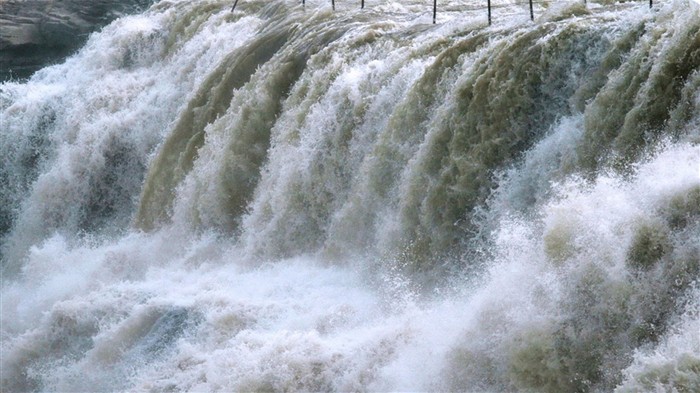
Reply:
x=287, y=198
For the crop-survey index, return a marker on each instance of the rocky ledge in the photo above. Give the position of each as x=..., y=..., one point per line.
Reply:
x=36, y=33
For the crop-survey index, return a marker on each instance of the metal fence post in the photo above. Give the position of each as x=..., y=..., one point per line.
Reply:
x=488, y=3
x=434, y=10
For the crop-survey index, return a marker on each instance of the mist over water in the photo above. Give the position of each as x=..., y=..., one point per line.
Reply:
x=284, y=198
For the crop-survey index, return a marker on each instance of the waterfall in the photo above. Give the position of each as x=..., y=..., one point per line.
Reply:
x=291, y=198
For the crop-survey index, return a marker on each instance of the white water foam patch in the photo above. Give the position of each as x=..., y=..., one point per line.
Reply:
x=149, y=313
x=57, y=269
x=110, y=104
x=674, y=365
x=551, y=160
x=597, y=222
x=165, y=311
x=581, y=236
x=338, y=336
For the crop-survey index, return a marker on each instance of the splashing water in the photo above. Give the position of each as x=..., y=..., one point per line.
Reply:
x=289, y=198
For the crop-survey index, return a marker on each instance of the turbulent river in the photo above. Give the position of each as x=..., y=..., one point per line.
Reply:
x=289, y=198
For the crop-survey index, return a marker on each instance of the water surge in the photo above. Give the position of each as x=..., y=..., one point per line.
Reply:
x=287, y=198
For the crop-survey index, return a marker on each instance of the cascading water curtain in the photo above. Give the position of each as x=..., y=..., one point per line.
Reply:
x=287, y=198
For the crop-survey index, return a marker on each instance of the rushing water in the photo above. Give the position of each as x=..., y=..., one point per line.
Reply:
x=286, y=198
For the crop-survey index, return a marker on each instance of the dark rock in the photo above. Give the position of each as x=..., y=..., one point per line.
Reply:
x=36, y=33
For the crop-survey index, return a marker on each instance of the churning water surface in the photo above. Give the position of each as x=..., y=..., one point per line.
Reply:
x=287, y=198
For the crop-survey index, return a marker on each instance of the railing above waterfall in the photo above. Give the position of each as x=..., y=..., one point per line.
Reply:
x=487, y=8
